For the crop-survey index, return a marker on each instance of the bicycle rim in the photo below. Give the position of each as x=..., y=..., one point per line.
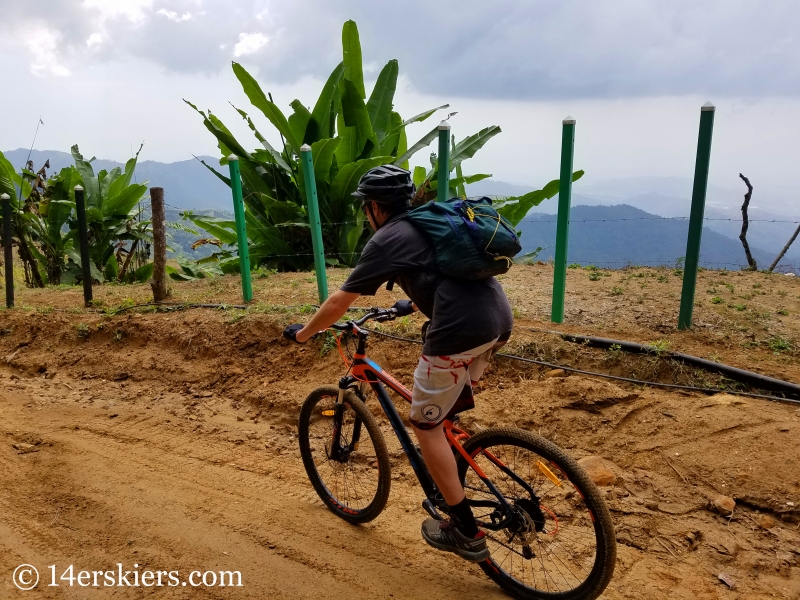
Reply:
x=356, y=485
x=562, y=545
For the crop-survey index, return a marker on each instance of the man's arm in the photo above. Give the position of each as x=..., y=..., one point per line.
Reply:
x=331, y=311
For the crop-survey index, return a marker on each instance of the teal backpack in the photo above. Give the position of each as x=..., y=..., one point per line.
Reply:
x=470, y=238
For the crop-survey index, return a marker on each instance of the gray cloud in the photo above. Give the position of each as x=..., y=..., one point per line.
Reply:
x=534, y=49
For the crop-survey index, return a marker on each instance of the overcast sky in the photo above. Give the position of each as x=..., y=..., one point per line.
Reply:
x=108, y=74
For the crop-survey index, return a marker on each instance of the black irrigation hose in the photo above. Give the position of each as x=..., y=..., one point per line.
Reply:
x=741, y=375
x=634, y=347
x=607, y=376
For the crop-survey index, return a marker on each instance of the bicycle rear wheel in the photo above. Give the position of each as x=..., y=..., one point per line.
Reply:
x=353, y=479
x=561, y=543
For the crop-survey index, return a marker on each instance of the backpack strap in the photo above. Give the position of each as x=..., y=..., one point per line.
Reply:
x=390, y=283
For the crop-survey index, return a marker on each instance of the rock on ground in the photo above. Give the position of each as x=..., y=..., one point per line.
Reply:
x=598, y=470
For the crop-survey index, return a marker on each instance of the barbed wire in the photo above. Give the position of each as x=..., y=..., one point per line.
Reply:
x=528, y=220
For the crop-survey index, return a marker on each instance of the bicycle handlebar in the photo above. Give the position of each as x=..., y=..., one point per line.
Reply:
x=374, y=314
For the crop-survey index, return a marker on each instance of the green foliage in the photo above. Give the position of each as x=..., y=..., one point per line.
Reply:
x=82, y=331
x=110, y=198
x=716, y=300
x=349, y=133
x=45, y=221
x=778, y=344
x=617, y=291
x=515, y=208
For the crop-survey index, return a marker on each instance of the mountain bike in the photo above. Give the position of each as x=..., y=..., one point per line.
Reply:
x=549, y=532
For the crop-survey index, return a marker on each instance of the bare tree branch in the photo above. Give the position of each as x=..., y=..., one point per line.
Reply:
x=785, y=248
x=746, y=223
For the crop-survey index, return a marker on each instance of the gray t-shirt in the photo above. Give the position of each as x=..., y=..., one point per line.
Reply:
x=464, y=314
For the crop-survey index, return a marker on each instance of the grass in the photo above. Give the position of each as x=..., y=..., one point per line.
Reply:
x=716, y=300
x=82, y=330
x=616, y=291
x=778, y=344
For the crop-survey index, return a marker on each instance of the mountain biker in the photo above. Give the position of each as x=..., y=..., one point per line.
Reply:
x=469, y=319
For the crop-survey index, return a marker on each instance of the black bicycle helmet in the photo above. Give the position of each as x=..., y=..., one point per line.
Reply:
x=388, y=185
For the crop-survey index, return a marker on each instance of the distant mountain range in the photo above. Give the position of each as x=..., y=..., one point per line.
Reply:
x=616, y=236
x=614, y=222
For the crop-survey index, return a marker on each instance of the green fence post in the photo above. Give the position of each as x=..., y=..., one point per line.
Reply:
x=83, y=237
x=696, y=216
x=562, y=227
x=7, y=250
x=313, y=221
x=241, y=228
x=443, y=183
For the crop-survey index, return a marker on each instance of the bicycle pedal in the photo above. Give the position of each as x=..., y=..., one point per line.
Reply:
x=431, y=509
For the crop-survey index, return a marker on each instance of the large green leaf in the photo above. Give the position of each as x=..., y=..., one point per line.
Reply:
x=467, y=147
x=90, y=184
x=458, y=181
x=224, y=135
x=274, y=155
x=299, y=119
x=319, y=126
x=228, y=143
x=380, y=101
x=419, y=175
x=351, y=55
x=8, y=178
x=322, y=153
x=417, y=118
x=222, y=229
x=260, y=101
x=356, y=116
x=422, y=143
x=348, y=150
x=122, y=204
x=390, y=145
x=516, y=207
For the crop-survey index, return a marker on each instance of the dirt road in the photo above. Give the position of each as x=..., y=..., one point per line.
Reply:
x=141, y=489
x=167, y=441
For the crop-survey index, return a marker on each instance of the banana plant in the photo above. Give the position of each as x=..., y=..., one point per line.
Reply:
x=349, y=133
x=48, y=225
x=19, y=190
x=111, y=198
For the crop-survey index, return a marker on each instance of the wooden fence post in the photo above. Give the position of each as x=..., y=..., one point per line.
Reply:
x=7, y=253
x=83, y=237
x=159, y=281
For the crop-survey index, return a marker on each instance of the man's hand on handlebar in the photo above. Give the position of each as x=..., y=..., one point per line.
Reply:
x=335, y=307
x=403, y=307
x=290, y=333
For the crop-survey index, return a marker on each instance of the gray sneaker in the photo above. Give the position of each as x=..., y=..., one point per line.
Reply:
x=443, y=535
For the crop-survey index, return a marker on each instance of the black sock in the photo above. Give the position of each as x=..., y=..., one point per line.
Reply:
x=463, y=518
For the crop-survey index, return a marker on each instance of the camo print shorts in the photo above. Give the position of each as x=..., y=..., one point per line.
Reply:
x=443, y=384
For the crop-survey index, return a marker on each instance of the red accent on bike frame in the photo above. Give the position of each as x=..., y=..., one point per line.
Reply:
x=360, y=369
x=453, y=440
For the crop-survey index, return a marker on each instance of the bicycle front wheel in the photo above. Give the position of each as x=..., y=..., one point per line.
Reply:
x=560, y=542
x=344, y=454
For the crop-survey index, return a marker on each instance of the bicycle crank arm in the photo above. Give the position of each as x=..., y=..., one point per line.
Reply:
x=431, y=509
